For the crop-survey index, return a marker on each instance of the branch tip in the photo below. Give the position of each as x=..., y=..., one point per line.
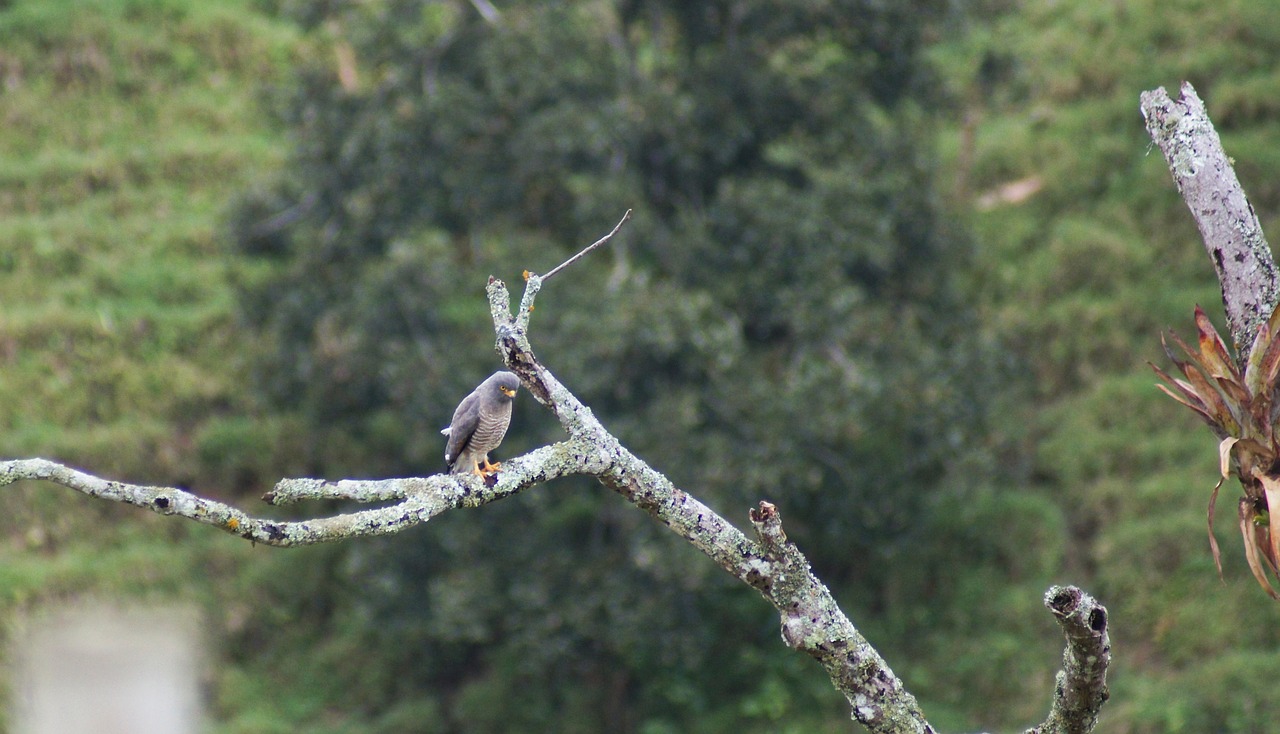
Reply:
x=589, y=247
x=1082, y=682
x=1232, y=234
x=768, y=524
x=766, y=511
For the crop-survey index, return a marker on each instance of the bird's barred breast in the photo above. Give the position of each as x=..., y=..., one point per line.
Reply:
x=490, y=430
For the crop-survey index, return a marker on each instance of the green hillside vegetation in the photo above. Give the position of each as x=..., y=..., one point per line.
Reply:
x=219, y=266
x=1082, y=277
x=128, y=126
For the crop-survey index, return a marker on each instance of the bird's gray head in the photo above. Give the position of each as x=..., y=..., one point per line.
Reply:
x=503, y=384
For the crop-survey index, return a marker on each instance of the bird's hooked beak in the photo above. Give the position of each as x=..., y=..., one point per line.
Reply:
x=508, y=391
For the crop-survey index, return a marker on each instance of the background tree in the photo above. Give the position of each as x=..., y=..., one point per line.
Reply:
x=783, y=321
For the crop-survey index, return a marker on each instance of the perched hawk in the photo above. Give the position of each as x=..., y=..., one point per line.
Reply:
x=478, y=425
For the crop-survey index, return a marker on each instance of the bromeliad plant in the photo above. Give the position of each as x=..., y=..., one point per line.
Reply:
x=1242, y=407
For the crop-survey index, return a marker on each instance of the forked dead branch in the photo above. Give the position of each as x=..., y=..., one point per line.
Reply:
x=811, y=620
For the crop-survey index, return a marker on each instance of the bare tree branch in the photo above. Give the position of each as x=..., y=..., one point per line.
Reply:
x=812, y=621
x=1081, y=686
x=1230, y=229
x=420, y=499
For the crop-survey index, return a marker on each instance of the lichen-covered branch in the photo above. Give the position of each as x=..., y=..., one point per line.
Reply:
x=418, y=499
x=1230, y=229
x=812, y=621
x=1081, y=685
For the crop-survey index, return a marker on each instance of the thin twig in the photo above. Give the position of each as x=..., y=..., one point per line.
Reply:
x=589, y=247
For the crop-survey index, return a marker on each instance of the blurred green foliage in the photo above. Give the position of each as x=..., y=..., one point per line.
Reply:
x=249, y=239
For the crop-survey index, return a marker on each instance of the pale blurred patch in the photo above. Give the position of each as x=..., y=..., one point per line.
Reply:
x=108, y=670
x=1013, y=192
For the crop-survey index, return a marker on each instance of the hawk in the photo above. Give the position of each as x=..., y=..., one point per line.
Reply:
x=479, y=423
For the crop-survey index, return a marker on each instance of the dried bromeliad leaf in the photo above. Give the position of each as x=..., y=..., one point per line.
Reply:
x=1241, y=407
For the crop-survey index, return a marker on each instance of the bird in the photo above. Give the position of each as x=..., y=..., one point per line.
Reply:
x=479, y=423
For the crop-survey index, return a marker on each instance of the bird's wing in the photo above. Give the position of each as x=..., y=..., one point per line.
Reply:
x=463, y=426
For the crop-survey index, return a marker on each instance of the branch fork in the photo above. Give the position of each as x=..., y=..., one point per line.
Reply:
x=811, y=620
